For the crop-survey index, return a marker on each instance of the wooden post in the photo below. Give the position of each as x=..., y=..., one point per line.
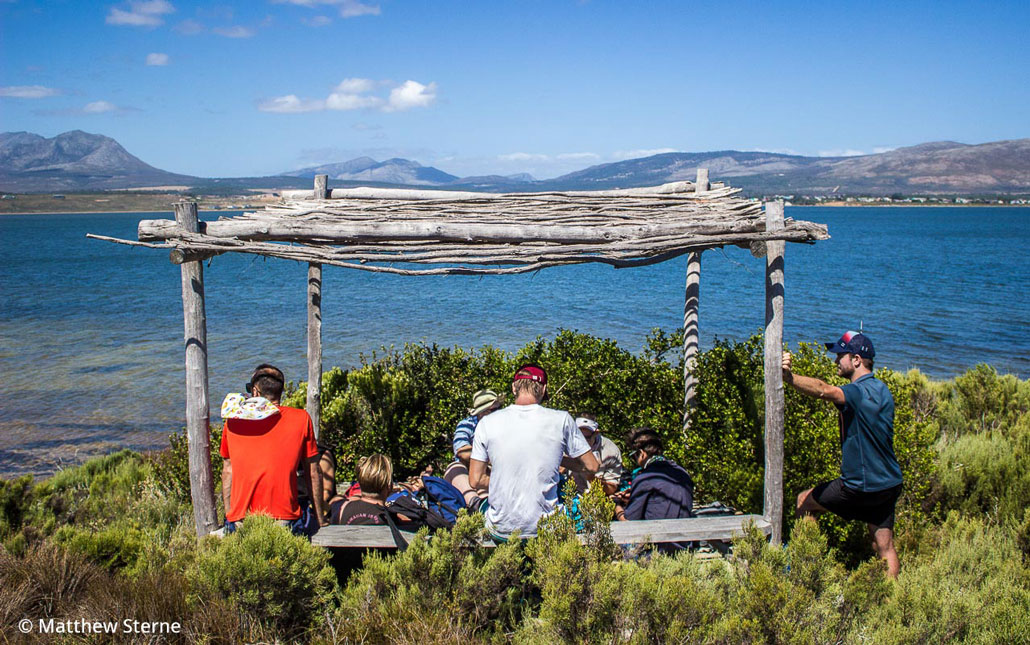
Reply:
x=774, y=405
x=198, y=414
x=702, y=185
x=690, y=334
x=321, y=186
x=690, y=305
x=314, y=400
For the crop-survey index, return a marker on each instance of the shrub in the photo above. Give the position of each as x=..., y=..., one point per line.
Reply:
x=986, y=474
x=278, y=578
x=172, y=465
x=446, y=589
x=981, y=401
x=969, y=585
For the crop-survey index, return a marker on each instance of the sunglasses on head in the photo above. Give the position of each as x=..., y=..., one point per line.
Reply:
x=249, y=387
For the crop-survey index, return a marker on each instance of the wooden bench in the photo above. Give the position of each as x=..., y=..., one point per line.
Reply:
x=714, y=529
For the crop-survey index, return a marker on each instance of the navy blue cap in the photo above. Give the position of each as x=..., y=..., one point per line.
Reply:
x=853, y=342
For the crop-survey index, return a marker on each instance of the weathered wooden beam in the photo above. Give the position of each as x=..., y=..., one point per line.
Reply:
x=470, y=232
x=691, y=336
x=314, y=398
x=774, y=403
x=721, y=528
x=182, y=256
x=198, y=414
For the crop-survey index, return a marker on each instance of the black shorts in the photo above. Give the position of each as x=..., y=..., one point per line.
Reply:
x=876, y=508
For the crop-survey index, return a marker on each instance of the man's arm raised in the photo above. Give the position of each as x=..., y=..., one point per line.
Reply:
x=810, y=386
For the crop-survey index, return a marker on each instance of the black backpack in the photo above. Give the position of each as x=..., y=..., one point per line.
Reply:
x=416, y=514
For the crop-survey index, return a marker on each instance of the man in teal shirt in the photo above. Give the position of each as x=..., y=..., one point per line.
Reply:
x=870, y=480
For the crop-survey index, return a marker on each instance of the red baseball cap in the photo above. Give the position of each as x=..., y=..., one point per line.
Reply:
x=532, y=373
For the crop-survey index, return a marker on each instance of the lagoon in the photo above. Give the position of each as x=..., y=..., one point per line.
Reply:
x=91, y=332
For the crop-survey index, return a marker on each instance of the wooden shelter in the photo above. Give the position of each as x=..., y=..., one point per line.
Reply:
x=430, y=232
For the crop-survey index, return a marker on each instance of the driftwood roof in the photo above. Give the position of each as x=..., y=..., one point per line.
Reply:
x=425, y=232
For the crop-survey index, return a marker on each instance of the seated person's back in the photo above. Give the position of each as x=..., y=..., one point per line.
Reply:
x=375, y=477
x=661, y=489
x=524, y=444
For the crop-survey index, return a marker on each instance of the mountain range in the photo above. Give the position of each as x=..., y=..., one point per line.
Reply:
x=79, y=161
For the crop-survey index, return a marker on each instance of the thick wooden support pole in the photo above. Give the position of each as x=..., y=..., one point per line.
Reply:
x=321, y=187
x=774, y=405
x=314, y=402
x=198, y=414
x=690, y=334
x=702, y=185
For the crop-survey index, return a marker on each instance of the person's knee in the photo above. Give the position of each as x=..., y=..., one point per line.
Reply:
x=802, y=499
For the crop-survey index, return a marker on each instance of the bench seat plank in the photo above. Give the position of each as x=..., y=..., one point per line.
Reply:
x=722, y=528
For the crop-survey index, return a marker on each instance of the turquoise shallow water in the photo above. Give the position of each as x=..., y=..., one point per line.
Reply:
x=91, y=332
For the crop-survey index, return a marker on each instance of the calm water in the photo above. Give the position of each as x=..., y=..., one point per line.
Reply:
x=91, y=332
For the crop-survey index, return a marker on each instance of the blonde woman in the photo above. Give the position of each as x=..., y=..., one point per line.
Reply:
x=375, y=477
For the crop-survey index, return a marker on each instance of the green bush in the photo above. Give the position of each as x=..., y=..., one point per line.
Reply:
x=172, y=465
x=970, y=584
x=276, y=577
x=986, y=474
x=117, y=547
x=981, y=401
x=448, y=589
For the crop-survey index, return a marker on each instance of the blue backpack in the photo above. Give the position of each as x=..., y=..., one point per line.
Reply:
x=443, y=497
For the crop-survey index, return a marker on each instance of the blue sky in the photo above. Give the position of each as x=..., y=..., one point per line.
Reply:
x=253, y=88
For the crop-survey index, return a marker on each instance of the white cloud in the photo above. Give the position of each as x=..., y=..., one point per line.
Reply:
x=28, y=91
x=881, y=149
x=345, y=101
x=156, y=59
x=359, y=94
x=636, y=154
x=348, y=8
x=578, y=156
x=355, y=8
x=411, y=94
x=99, y=107
x=140, y=13
x=366, y=127
x=317, y=21
x=846, y=152
x=290, y=104
x=355, y=86
x=234, y=32
x=523, y=156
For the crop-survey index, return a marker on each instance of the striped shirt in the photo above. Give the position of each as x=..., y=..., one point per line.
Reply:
x=464, y=432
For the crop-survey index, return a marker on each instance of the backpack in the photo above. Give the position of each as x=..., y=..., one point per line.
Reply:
x=416, y=512
x=443, y=497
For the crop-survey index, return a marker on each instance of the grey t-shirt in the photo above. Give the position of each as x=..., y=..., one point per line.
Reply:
x=524, y=445
x=610, y=459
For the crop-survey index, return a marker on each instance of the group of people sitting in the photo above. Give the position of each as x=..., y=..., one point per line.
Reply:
x=509, y=463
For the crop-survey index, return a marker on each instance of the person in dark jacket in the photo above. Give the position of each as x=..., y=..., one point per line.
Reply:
x=661, y=489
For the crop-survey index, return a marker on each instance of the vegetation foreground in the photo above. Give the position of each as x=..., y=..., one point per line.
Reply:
x=113, y=539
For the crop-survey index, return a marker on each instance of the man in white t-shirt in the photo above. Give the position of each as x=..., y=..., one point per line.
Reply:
x=525, y=444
